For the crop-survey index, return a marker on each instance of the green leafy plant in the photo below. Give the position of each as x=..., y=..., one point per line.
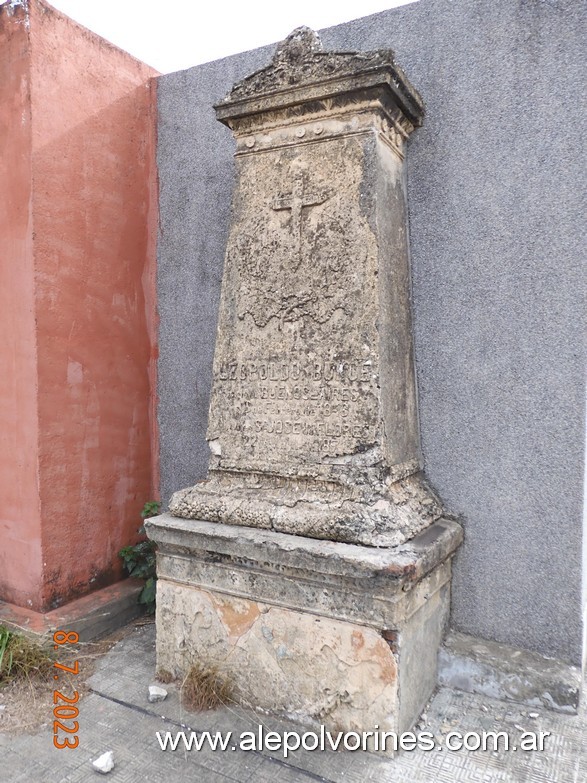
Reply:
x=140, y=562
x=5, y=652
x=151, y=509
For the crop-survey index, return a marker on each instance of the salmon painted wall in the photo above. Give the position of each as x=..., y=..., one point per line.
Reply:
x=92, y=166
x=20, y=520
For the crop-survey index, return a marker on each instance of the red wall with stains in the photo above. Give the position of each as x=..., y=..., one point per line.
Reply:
x=20, y=519
x=91, y=275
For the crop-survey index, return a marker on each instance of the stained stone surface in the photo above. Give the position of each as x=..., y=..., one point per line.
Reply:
x=312, y=669
x=313, y=419
x=270, y=656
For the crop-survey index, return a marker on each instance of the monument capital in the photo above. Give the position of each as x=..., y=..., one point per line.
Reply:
x=304, y=81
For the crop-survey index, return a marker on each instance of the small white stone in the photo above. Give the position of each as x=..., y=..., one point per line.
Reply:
x=484, y=708
x=104, y=763
x=533, y=715
x=156, y=693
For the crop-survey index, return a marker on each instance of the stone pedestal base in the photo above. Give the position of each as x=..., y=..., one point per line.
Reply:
x=316, y=631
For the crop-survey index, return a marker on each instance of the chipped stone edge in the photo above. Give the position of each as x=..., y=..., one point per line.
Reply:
x=404, y=564
x=381, y=588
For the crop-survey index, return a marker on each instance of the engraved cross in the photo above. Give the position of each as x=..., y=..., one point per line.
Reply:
x=296, y=201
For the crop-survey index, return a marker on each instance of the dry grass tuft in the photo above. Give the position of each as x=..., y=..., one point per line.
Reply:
x=164, y=676
x=28, y=701
x=205, y=687
x=22, y=658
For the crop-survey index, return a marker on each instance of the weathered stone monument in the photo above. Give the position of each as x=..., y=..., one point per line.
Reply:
x=314, y=561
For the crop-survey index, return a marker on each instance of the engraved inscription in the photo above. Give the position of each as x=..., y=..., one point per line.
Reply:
x=314, y=429
x=296, y=373
x=283, y=371
x=306, y=405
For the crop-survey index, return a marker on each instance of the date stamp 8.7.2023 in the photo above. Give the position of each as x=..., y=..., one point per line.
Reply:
x=65, y=710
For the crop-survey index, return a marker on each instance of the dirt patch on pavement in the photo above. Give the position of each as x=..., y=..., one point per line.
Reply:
x=27, y=704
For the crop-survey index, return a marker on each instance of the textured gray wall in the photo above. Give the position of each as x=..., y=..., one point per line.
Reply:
x=497, y=204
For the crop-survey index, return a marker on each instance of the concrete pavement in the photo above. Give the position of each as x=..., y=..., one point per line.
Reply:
x=116, y=715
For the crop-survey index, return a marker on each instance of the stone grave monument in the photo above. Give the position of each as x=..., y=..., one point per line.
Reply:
x=313, y=564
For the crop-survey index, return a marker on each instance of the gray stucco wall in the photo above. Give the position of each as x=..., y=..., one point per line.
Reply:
x=496, y=199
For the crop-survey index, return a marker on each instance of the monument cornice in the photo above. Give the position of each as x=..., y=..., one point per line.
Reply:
x=303, y=79
x=376, y=87
x=374, y=587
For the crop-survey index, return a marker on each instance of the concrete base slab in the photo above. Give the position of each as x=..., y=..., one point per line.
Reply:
x=502, y=672
x=321, y=632
x=92, y=616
